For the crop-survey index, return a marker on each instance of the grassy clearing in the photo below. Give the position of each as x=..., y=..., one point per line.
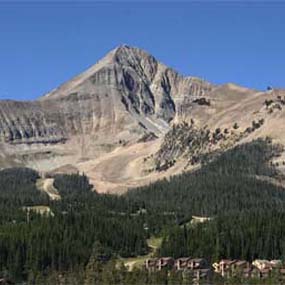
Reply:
x=154, y=243
x=42, y=210
x=195, y=220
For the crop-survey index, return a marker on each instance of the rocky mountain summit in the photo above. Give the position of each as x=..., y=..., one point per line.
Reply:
x=111, y=121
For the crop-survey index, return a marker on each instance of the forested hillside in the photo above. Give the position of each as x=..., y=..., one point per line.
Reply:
x=87, y=231
x=225, y=183
x=32, y=244
x=247, y=213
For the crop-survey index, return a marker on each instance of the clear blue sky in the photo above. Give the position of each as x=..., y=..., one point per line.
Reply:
x=44, y=44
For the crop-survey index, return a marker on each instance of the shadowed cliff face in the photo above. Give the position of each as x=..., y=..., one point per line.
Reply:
x=109, y=118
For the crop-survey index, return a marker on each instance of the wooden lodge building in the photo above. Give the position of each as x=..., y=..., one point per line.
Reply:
x=199, y=268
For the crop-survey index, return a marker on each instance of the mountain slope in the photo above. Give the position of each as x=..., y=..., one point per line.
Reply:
x=111, y=120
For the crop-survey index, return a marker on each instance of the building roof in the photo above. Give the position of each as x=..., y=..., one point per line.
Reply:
x=152, y=260
x=228, y=261
x=197, y=259
x=183, y=259
x=166, y=258
x=261, y=261
x=241, y=262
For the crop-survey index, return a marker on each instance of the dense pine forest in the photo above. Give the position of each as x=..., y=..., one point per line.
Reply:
x=32, y=243
x=82, y=237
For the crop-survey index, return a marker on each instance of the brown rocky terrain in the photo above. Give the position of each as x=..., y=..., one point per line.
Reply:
x=116, y=120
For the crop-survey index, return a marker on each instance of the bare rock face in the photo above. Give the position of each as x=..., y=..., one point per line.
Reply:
x=129, y=80
x=95, y=121
x=126, y=88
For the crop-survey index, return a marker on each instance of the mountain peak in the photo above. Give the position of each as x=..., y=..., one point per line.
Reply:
x=121, y=105
x=126, y=54
x=125, y=50
x=123, y=55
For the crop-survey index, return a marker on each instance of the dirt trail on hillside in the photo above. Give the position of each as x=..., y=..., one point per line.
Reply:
x=46, y=185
